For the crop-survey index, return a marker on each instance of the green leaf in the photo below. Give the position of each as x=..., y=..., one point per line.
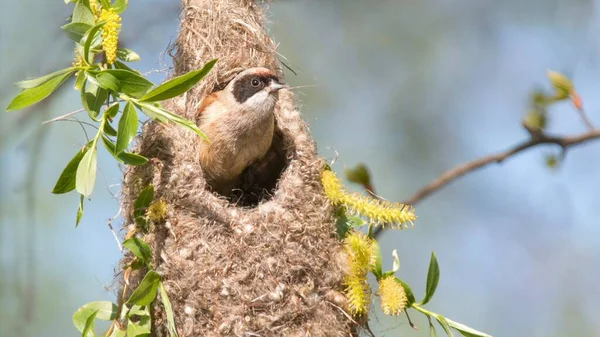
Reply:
x=136, y=264
x=116, y=332
x=409, y=294
x=142, y=202
x=82, y=13
x=145, y=293
x=108, y=82
x=444, y=324
x=168, y=310
x=107, y=311
x=432, y=332
x=376, y=268
x=66, y=181
x=80, y=81
x=358, y=175
x=131, y=83
x=35, y=82
x=119, y=6
x=124, y=157
x=156, y=112
x=132, y=158
x=84, y=317
x=151, y=112
x=355, y=221
x=106, y=5
x=136, y=329
x=465, y=330
x=76, y=30
x=341, y=225
x=127, y=55
x=127, y=128
x=113, y=110
x=109, y=130
x=146, y=322
x=139, y=248
x=178, y=85
x=123, y=66
x=563, y=87
x=81, y=318
x=396, y=261
x=31, y=96
x=88, y=328
x=433, y=277
x=138, y=310
x=93, y=98
x=89, y=37
x=86, y=173
x=79, y=211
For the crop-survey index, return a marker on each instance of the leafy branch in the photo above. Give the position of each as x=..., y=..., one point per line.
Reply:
x=364, y=255
x=109, y=91
x=113, y=95
x=135, y=310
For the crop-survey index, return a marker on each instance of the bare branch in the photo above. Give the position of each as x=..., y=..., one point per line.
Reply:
x=452, y=174
x=63, y=117
x=449, y=176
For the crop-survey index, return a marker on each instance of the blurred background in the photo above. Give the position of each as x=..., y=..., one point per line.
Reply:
x=411, y=88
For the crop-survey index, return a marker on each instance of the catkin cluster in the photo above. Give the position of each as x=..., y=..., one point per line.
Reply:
x=379, y=211
x=110, y=34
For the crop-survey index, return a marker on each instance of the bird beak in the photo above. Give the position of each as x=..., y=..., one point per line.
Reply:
x=274, y=86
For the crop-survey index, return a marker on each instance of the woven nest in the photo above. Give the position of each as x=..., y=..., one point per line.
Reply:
x=270, y=270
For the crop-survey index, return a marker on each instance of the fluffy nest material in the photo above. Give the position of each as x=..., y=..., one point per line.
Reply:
x=270, y=270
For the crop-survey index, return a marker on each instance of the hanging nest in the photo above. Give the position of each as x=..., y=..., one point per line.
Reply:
x=274, y=269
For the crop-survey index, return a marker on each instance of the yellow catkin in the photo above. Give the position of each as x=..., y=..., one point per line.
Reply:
x=378, y=211
x=360, y=251
x=157, y=211
x=110, y=34
x=359, y=248
x=357, y=293
x=392, y=295
x=77, y=60
x=94, y=7
x=332, y=186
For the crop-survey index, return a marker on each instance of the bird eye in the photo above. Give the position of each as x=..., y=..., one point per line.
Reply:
x=255, y=82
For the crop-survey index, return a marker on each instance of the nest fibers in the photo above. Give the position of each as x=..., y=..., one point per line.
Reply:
x=271, y=270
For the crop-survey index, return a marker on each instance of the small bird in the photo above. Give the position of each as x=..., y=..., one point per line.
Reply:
x=239, y=123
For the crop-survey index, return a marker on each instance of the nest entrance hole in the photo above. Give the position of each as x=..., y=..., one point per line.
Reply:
x=259, y=181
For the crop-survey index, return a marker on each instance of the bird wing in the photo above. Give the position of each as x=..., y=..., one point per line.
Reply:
x=206, y=101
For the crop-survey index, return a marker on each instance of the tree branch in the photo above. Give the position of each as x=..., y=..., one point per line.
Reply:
x=452, y=174
x=449, y=176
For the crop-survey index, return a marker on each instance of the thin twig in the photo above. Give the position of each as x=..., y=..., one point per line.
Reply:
x=153, y=71
x=459, y=171
x=585, y=118
x=412, y=325
x=342, y=311
x=368, y=328
x=63, y=116
x=113, y=230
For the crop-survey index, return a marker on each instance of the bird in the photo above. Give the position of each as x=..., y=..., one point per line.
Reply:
x=239, y=123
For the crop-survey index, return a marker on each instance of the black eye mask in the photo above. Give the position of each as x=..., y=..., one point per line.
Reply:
x=243, y=89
